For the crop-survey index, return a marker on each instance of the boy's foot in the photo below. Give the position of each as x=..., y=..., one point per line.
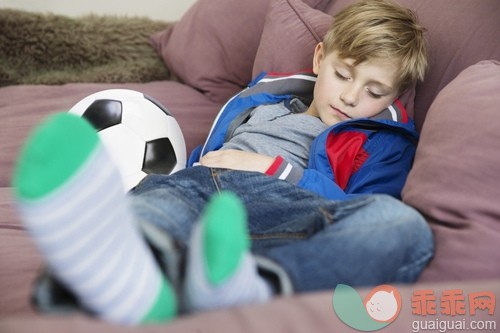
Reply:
x=71, y=200
x=221, y=271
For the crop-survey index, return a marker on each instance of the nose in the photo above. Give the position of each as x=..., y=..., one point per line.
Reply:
x=349, y=96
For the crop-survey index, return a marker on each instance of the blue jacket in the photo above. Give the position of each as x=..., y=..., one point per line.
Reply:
x=359, y=156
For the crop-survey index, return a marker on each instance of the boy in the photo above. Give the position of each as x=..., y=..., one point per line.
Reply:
x=300, y=240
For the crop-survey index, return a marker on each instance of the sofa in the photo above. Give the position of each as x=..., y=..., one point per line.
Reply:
x=211, y=53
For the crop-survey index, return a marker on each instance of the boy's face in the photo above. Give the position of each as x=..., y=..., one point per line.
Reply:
x=344, y=91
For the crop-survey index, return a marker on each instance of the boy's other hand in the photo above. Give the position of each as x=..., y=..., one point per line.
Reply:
x=237, y=160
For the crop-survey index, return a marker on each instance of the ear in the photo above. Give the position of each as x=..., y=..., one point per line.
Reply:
x=319, y=54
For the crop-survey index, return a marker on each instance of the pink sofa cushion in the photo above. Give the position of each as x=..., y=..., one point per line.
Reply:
x=212, y=48
x=291, y=31
x=455, y=178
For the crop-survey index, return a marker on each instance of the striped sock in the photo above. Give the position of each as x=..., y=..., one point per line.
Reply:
x=71, y=201
x=221, y=271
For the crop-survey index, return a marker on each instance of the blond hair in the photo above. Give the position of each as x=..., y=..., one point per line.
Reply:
x=380, y=29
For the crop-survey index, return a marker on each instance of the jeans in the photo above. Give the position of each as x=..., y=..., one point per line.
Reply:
x=315, y=243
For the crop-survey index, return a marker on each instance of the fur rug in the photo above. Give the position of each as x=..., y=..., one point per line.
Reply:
x=54, y=49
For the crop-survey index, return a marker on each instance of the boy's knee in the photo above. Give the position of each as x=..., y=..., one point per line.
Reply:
x=415, y=241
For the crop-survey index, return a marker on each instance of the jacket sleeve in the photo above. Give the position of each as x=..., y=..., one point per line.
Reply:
x=318, y=183
x=381, y=165
x=308, y=179
x=386, y=168
x=195, y=155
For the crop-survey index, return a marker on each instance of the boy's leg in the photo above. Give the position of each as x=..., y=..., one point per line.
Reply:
x=364, y=242
x=308, y=241
x=319, y=243
x=70, y=197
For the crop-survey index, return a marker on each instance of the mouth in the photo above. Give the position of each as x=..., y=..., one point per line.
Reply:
x=341, y=113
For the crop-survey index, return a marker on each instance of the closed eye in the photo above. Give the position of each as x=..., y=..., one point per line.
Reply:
x=340, y=76
x=374, y=95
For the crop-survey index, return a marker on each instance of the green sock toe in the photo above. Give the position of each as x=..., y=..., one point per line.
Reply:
x=52, y=154
x=225, y=236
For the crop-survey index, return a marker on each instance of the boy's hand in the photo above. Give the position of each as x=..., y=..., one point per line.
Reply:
x=237, y=160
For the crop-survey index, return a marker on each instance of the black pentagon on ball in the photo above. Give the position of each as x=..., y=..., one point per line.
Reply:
x=159, y=157
x=104, y=113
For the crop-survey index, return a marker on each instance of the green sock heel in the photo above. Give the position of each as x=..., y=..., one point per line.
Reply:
x=225, y=236
x=165, y=307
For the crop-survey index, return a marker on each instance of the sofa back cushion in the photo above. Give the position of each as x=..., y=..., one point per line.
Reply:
x=212, y=48
x=291, y=31
x=455, y=179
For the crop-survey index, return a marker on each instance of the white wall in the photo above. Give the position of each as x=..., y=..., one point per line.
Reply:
x=164, y=10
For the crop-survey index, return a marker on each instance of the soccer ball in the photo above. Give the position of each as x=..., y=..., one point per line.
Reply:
x=140, y=134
